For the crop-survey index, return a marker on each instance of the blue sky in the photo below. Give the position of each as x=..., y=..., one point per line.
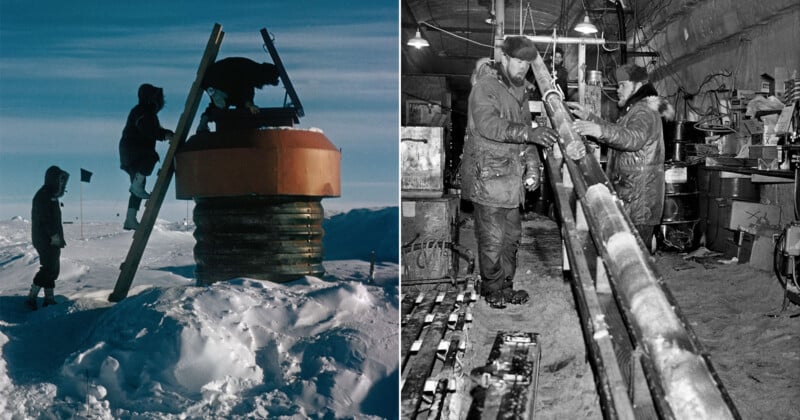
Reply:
x=69, y=72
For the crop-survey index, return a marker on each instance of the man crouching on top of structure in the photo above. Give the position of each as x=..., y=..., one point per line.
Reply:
x=636, y=146
x=498, y=156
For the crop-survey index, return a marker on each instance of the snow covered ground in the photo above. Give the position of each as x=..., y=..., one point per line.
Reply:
x=319, y=348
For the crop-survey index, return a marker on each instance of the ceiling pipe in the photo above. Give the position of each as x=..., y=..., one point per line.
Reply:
x=541, y=39
x=623, y=47
x=499, y=34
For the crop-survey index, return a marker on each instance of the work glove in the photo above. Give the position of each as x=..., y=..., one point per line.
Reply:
x=57, y=241
x=579, y=110
x=576, y=150
x=168, y=135
x=533, y=178
x=543, y=136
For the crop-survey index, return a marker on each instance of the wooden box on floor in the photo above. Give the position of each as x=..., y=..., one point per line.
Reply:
x=758, y=250
x=428, y=231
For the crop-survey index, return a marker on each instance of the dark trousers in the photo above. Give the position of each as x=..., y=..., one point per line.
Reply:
x=134, y=202
x=49, y=260
x=498, y=231
x=139, y=162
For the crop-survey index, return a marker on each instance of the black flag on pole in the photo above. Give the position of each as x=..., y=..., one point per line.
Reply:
x=86, y=176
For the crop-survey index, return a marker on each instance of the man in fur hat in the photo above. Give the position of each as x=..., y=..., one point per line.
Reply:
x=636, y=146
x=500, y=161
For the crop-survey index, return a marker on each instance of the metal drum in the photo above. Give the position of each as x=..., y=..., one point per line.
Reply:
x=678, y=229
x=732, y=185
x=681, y=197
x=717, y=190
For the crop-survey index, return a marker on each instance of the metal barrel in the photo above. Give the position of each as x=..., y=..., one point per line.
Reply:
x=680, y=193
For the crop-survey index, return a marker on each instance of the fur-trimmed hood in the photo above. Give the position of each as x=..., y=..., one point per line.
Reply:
x=648, y=95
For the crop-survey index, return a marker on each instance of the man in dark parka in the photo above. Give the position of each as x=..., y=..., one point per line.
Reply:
x=137, y=147
x=497, y=161
x=636, y=146
x=47, y=234
x=231, y=82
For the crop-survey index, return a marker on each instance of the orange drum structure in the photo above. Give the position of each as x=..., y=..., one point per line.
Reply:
x=258, y=193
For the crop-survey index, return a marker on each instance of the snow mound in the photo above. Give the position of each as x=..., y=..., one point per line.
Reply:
x=310, y=347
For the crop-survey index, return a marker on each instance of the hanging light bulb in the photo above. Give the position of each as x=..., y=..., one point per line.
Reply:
x=586, y=27
x=418, y=41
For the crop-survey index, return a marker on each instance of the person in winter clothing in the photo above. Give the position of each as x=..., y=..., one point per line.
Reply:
x=47, y=234
x=636, y=146
x=137, y=147
x=557, y=62
x=499, y=161
x=231, y=82
x=561, y=71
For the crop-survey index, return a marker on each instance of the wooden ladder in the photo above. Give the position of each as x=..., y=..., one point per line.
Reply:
x=153, y=204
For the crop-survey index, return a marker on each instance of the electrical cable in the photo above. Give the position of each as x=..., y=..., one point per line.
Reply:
x=777, y=258
x=794, y=193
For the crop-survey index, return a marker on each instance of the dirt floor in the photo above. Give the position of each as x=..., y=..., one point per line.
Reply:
x=566, y=387
x=733, y=309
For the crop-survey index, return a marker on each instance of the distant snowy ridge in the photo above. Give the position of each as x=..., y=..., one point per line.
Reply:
x=359, y=232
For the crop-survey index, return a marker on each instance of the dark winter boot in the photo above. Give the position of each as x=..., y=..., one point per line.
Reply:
x=32, y=295
x=49, y=299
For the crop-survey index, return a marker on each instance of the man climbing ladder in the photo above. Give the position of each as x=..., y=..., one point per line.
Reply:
x=153, y=205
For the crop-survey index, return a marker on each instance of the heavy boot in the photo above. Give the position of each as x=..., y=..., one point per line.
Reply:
x=49, y=299
x=137, y=187
x=130, y=220
x=32, y=295
x=507, y=295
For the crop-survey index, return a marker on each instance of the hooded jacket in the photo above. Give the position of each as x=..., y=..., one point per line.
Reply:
x=636, y=154
x=46, y=209
x=142, y=129
x=495, y=157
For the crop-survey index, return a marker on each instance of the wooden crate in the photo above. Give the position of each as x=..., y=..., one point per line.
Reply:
x=422, y=161
x=428, y=230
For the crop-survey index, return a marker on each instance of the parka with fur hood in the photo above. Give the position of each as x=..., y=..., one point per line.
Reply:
x=495, y=160
x=636, y=154
x=46, y=209
x=137, y=147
